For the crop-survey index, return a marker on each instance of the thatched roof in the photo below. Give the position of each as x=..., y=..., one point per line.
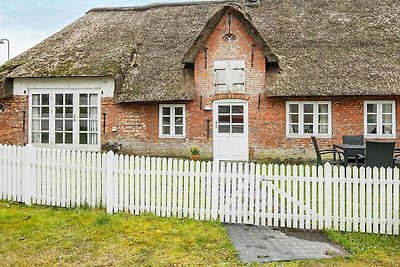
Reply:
x=324, y=48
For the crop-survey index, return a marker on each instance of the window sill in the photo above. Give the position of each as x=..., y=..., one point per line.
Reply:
x=171, y=137
x=307, y=136
x=380, y=136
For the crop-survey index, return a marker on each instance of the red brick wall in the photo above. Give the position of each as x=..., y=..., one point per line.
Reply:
x=11, y=121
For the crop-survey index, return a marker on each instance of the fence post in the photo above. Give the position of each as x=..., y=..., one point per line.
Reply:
x=27, y=178
x=110, y=182
x=215, y=189
x=328, y=195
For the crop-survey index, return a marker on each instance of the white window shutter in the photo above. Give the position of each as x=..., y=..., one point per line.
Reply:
x=221, y=76
x=237, y=75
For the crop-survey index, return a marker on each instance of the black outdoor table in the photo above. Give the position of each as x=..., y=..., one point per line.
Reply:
x=347, y=148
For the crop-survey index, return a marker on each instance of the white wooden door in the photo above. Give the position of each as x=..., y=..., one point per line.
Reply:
x=231, y=130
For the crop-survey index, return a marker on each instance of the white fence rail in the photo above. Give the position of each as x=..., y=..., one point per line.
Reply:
x=307, y=197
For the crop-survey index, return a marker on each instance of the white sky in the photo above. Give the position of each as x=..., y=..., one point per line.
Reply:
x=27, y=22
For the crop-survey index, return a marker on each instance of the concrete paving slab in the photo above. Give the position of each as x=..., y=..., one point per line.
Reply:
x=267, y=244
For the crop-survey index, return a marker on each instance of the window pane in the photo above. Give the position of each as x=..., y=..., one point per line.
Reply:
x=36, y=138
x=178, y=121
x=237, y=109
x=59, y=138
x=93, y=100
x=294, y=128
x=308, y=108
x=69, y=112
x=35, y=125
x=293, y=108
x=179, y=130
x=371, y=129
x=68, y=138
x=36, y=99
x=59, y=112
x=294, y=118
x=237, y=128
x=59, y=99
x=45, y=99
x=224, y=109
x=323, y=129
x=83, y=99
x=69, y=99
x=83, y=138
x=224, y=118
x=372, y=118
x=372, y=108
x=323, y=118
x=308, y=118
x=179, y=111
x=166, y=111
x=166, y=120
x=308, y=129
x=387, y=118
x=35, y=112
x=323, y=108
x=93, y=126
x=237, y=118
x=59, y=125
x=93, y=138
x=93, y=113
x=386, y=108
x=83, y=112
x=387, y=129
x=45, y=125
x=68, y=125
x=45, y=138
x=45, y=112
x=224, y=129
x=166, y=130
x=83, y=125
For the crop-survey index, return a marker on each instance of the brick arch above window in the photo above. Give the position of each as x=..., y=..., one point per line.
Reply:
x=231, y=96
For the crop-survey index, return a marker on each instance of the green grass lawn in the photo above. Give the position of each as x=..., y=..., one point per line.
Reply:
x=43, y=236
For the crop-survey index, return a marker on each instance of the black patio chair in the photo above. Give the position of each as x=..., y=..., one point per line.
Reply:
x=320, y=152
x=397, y=157
x=378, y=154
x=353, y=140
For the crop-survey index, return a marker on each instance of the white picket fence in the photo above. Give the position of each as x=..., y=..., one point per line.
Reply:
x=346, y=199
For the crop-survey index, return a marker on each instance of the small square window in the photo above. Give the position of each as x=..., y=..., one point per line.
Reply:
x=379, y=119
x=172, y=121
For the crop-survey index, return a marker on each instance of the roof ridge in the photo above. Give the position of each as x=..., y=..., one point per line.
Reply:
x=160, y=5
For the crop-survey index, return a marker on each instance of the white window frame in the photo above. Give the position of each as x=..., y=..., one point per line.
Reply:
x=301, y=133
x=75, y=145
x=172, y=121
x=379, y=119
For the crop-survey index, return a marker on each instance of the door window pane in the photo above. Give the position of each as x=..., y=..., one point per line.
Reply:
x=237, y=109
x=224, y=128
x=237, y=128
x=224, y=109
